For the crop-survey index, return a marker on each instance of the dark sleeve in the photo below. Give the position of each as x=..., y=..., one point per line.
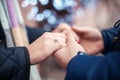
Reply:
x=14, y=64
x=1, y=32
x=85, y=67
x=34, y=33
x=108, y=37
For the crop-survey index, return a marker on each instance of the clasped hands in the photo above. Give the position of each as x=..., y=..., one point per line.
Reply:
x=64, y=43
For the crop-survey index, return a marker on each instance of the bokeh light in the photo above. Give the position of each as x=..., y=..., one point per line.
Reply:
x=52, y=12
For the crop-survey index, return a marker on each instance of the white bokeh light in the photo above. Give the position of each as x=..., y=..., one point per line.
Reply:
x=44, y=2
x=33, y=2
x=39, y=17
x=25, y=3
x=47, y=13
x=58, y=4
x=51, y=19
x=33, y=12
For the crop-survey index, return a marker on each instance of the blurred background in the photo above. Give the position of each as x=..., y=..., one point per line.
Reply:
x=47, y=14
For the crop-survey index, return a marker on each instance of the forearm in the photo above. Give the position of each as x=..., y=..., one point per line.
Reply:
x=86, y=67
x=14, y=62
x=80, y=66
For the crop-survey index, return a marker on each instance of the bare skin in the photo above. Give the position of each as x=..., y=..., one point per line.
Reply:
x=45, y=46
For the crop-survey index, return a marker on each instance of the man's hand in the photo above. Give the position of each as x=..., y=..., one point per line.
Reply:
x=64, y=55
x=90, y=38
x=65, y=27
x=45, y=46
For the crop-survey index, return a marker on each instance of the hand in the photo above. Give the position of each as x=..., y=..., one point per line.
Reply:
x=90, y=38
x=65, y=27
x=45, y=45
x=64, y=55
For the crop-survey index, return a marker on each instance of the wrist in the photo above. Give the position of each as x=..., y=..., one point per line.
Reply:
x=36, y=55
x=30, y=54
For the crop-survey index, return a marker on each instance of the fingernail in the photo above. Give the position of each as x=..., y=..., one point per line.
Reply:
x=78, y=41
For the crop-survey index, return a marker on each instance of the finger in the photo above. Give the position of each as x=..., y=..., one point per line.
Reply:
x=74, y=34
x=57, y=45
x=79, y=30
x=59, y=35
x=61, y=38
x=62, y=27
x=60, y=57
x=77, y=38
x=69, y=36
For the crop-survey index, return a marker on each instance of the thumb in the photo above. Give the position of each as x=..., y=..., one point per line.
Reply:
x=62, y=27
x=79, y=30
x=69, y=36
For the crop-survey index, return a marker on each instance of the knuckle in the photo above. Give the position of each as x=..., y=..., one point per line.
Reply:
x=62, y=24
x=46, y=35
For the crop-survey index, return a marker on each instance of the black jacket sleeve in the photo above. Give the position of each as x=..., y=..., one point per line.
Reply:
x=109, y=39
x=14, y=64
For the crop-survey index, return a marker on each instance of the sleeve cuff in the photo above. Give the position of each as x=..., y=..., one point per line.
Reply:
x=108, y=39
x=80, y=66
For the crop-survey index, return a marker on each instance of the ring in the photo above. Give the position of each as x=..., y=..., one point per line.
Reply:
x=55, y=41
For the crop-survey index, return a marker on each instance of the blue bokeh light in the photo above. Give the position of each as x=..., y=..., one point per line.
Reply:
x=58, y=4
x=33, y=12
x=47, y=13
x=51, y=19
x=44, y=2
x=69, y=3
x=40, y=17
x=33, y=2
x=25, y=3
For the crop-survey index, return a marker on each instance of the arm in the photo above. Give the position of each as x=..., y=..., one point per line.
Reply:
x=14, y=63
x=109, y=38
x=88, y=36
x=1, y=32
x=85, y=67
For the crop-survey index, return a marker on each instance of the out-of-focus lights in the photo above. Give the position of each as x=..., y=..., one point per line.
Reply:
x=80, y=12
x=69, y=9
x=68, y=18
x=30, y=16
x=44, y=2
x=25, y=3
x=47, y=27
x=40, y=17
x=89, y=3
x=61, y=20
x=33, y=2
x=33, y=12
x=51, y=19
x=58, y=4
x=47, y=13
x=69, y=3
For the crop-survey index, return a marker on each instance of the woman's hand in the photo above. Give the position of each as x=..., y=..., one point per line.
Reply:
x=45, y=46
x=65, y=27
x=64, y=55
x=90, y=38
